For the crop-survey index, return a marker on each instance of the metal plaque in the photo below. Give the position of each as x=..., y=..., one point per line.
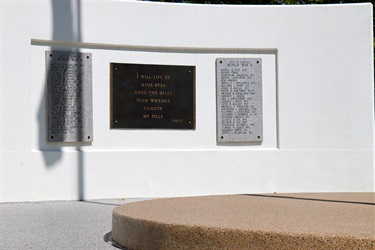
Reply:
x=69, y=96
x=239, y=99
x=152, y=96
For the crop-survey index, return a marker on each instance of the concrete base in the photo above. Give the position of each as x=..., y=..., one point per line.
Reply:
x=282, y=221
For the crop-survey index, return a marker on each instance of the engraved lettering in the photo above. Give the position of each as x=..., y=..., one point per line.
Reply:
x=147, y=84
x=141, y=100
x=140, y=92
x=69, y=97
x=177, y=120
x=239, y=89
x=153, y=108
x=145, y=77
x=151, y=96
x=156, y=116
x=160, y=100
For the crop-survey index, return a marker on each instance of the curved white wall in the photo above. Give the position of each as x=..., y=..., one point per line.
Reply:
x=318, y=100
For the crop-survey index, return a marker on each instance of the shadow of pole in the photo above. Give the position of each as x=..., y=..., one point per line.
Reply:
x=66, y=17
x=79, y=93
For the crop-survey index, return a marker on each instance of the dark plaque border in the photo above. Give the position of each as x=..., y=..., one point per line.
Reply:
x=146, y=96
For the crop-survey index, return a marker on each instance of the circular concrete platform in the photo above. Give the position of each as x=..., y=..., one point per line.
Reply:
x=289, y=221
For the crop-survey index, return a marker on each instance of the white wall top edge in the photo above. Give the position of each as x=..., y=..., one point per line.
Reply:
x=87, y=45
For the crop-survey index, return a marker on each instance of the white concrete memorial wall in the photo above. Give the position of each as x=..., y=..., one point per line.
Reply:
x=317, y=100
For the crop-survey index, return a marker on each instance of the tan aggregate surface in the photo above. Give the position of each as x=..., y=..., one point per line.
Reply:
x=271, y=221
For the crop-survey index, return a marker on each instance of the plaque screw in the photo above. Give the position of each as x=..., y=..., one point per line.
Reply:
x=51, y=137
x=258, y=137
x=222, y=137
x=115, y=121
x=50, y=55
x=115, y=68
x=87, y=57
x=189, y=72
x=221, y=61
x=257, y=61
x=88, y=137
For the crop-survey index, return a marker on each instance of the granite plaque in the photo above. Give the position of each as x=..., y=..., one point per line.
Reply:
x=239, y=99
x=152, y=96
x=69, y=96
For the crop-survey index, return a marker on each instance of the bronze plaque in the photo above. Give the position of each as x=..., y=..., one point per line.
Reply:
x=152, y=96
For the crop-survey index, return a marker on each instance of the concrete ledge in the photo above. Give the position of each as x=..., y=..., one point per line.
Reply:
x=289, y=221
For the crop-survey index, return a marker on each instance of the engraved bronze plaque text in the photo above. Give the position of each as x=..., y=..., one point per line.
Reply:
x=152, y=96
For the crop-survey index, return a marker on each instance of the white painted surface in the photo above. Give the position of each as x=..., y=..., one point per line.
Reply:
x=317, y=85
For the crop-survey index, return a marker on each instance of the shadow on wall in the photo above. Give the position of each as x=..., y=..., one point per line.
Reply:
x=66, y=17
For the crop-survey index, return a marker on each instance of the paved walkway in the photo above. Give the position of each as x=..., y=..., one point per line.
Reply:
x=88, y=224
x=57, y=225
